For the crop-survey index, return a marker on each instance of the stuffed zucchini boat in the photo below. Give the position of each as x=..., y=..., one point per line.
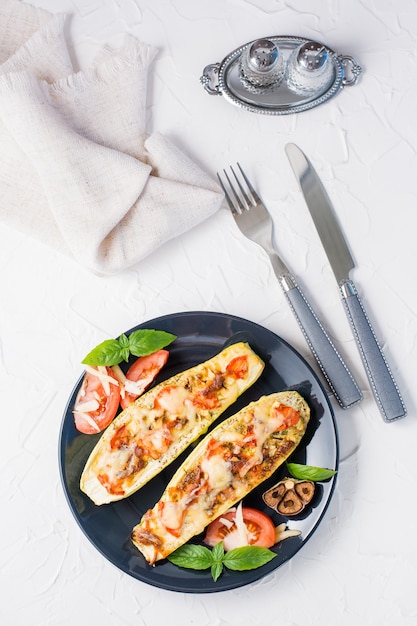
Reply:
x=149, y=434
x=234, y=458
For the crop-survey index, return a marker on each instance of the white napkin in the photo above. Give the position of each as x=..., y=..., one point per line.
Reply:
x=77, y=169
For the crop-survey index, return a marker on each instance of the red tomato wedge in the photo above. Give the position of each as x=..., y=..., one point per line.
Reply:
x=238, y=367
x=288, y=415
x=260, y=530
x=142, y=373
x=97, y=401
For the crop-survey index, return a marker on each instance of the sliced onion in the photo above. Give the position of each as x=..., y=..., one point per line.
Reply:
x=101, y=373
x=87, y=418
x=87, y=407
x=241, y=526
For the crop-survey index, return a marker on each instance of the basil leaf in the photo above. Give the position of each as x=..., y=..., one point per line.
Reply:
x=217, y=555
x=144, y=341
x=218, y=552
x=139, y=343
x=239, y=559
x=124, y=348
x=192, y=557
x=108, y=353
x=247, y=557
x=216, y=570
x=310, y=472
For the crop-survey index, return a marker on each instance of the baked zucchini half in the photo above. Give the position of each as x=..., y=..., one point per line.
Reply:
x=149, y=434
x=234, y=458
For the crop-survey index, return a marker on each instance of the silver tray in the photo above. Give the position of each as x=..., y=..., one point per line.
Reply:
x=225, y=79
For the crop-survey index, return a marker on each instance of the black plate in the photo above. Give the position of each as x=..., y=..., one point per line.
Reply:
x=200, y=336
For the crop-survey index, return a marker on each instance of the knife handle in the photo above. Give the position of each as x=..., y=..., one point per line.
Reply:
x=379, y=374
x=335, y=370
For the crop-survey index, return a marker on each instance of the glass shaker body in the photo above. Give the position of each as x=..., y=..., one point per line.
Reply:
x=309, y=70
x=262, y=65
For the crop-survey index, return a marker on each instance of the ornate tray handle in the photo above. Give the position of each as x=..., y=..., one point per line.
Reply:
x=352, y=70
x=210, y=79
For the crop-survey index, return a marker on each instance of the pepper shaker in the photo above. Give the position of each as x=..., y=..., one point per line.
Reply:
x=309, y=71
x=262, y=65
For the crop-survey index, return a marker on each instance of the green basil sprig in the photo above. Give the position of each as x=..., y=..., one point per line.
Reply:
x=310, y=472
x=239, y=559
x=139, y=343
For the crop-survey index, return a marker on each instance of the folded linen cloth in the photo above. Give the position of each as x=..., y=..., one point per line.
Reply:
x=77, y=169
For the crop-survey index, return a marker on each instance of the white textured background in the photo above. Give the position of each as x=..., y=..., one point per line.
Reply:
x=360, y=566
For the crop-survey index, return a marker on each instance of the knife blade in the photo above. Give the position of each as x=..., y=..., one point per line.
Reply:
x=383, y=385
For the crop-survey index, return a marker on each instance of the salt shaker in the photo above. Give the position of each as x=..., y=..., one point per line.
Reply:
x=309, y=71
x=262, y=65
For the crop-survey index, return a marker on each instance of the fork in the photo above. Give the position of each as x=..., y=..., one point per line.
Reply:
x=255, y=222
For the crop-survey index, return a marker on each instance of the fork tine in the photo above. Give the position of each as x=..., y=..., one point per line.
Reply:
x=251, y=189
x=227, y=196
x=232, y=197
x=249, y=202
x=241, y=206
x=242, y=199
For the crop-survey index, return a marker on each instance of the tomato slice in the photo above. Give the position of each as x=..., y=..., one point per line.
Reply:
x=143, y=371
x=94, y=407
x=288, y=415
x=205, y=402
x=260, y=530
x=238, y=367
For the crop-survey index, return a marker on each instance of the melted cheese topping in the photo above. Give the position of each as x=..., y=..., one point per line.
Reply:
x=146, y=435
x=218, y=472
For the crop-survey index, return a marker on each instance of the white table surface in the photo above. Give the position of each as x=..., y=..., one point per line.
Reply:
x=360, y=565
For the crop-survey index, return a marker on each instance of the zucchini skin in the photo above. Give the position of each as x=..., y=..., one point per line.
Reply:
x=142, y=418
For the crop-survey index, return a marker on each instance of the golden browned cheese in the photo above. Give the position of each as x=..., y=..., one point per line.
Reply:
x=149, y=434
x=228, y=463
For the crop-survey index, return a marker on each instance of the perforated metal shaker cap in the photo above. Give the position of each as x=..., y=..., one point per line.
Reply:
x=263, y=55
x=312, y=56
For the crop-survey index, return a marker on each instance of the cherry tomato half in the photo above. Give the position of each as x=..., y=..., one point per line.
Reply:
x=94, y=409
x=143, y=371
x=260, y=530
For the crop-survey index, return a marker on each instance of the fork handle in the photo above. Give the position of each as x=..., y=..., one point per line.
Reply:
x=334, y=369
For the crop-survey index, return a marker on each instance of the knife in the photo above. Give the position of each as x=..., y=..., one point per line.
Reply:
x=382, y=382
